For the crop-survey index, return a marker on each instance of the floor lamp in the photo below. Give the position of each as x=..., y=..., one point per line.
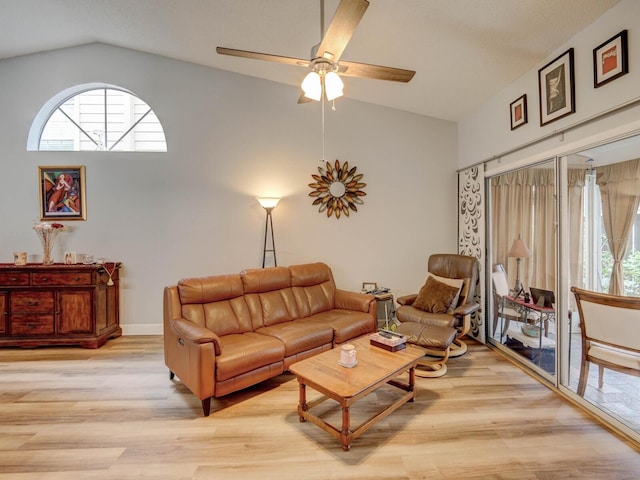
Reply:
x=519, y=250
x=268, y=203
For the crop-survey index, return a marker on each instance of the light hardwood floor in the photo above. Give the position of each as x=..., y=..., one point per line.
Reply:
x=113, y=413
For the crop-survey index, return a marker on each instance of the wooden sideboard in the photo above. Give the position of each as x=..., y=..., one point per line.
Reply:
x=58, y=304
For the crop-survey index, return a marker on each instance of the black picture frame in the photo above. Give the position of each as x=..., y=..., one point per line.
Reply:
x=556, y=88
x=610, y=60
x=518, y=112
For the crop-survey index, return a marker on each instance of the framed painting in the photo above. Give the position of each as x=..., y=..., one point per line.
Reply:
x=610, y=60
x=519, y=112
x=62, y=193
x=557, y=88
x=369, y=286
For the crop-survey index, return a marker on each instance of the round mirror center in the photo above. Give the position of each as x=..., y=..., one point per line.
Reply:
x=337, y=189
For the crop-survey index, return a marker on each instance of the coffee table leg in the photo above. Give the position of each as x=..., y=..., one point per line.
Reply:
x=412, y=382
x=345, y=434
x=302, y=405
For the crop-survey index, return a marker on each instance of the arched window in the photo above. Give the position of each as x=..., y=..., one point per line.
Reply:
x=97, y=117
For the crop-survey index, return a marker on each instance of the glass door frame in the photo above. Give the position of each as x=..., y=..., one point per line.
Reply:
x=559, y=382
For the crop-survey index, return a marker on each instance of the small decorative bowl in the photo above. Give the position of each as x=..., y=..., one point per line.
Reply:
x=530, y=330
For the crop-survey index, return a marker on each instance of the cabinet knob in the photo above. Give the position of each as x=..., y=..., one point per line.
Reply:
x=13, y=279
x=76, y=279
x=32, y=325
x=32, y=303
x=45, y=279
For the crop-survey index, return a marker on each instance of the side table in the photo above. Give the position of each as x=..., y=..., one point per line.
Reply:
x=386, y=308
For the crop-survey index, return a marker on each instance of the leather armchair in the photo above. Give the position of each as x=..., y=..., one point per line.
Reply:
x=449, y=266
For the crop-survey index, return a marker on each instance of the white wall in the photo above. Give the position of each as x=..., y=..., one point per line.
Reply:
x=192, y=211
x=487, y=133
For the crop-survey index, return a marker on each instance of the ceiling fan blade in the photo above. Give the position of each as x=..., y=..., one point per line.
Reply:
x=344, y=22
x=355, y=69
x=303, y=99
x=298, y=62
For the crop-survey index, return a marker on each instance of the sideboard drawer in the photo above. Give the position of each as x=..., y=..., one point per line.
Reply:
x=66, y=279
x=14, y=278
x=32, y=324
x=28, y=301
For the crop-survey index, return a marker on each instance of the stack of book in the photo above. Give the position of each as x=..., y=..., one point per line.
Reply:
x=388, y=340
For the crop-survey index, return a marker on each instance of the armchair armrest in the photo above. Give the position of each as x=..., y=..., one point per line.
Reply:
x=407, y=299
x=466, y=309
x=359, y=302
x=196, y=334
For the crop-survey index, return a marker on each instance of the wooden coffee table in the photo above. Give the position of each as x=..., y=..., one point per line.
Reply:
x=375, y=368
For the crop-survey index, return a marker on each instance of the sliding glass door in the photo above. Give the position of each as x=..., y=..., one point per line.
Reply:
x=522, y=224
x=605, y=229
x=571, y=221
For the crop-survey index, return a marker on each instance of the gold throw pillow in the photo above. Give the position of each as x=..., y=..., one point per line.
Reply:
x=435, y=296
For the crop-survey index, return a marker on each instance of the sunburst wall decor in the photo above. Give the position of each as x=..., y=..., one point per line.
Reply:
x=337, y=189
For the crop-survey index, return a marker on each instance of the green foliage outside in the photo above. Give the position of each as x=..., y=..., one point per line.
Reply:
x=630, y=269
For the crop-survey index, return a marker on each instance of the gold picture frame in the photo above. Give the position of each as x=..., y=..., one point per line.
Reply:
x=62, y=193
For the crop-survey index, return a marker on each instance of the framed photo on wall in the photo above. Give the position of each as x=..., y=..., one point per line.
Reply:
x=62, y=193
x=519, y=112
x=610, y=60
x=557, y=88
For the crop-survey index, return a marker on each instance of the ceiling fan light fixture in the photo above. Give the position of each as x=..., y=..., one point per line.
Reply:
x=333, y=85
x=312, y=86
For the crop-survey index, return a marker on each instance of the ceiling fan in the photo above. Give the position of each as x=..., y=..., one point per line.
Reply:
x=325, y=64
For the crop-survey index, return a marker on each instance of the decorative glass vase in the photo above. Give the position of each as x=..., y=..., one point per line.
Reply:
x=47, y=233
x=47, y=246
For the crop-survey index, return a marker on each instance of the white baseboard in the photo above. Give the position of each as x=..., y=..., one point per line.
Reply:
x=142, y=329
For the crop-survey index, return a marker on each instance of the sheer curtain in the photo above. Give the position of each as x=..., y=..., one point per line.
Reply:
x=524, y=204
x=620, y=192
x=511, y=206
x=577, y=179
x=543, y=245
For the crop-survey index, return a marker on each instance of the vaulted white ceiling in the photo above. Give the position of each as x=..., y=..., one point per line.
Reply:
x=464, y=51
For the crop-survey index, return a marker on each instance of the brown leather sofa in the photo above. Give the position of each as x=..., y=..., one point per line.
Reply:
x=227, y=332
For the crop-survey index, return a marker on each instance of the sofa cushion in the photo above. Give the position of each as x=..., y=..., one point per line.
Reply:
x=245, y=352
x=435, y=296
x=216, y=303
x=269, y=296
x=313, y=288
x=346, y=324
x=297, y=336
x=259, y=280
x=209, y=289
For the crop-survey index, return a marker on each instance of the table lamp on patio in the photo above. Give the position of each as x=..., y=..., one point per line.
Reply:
x=519, y=250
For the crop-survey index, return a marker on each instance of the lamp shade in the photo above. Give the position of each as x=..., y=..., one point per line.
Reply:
x=333, y=85
x=519, y=249
x=268, y=202
x=312, y=86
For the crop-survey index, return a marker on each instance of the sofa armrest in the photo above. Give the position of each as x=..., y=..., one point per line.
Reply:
x=407, y=299
x=359, y=302
x=196, y=334
x=466, y=309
